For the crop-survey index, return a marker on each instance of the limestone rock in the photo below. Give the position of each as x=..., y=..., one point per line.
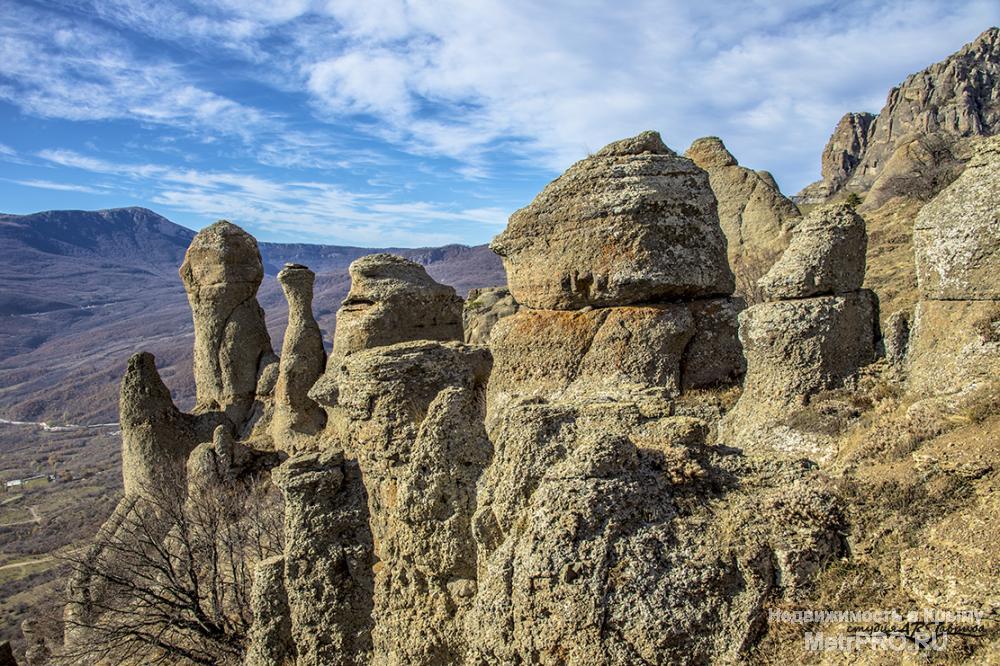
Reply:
x=328, y=558
x=156, y=437
x=483, y=309
x=302, y=362
x=896, y=336
x=221, y=272
x=633, y=223
x=416, y=424
x=954, y=345
x=826, y=256
x=270, y=639
x=956, y=237
x=955, y=98
x=394, y=300
x=714, y=355
x=549, y=353
x=755, y=216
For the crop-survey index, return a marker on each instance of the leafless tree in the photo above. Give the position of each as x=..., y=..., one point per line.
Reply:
x=169, y=579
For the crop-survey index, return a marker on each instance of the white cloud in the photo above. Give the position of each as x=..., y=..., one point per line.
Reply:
x=291, y=209
x=7, y=151
x=62, y=187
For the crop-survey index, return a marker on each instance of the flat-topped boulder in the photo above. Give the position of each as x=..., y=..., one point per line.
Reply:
x=633, y=223
x=826, y=256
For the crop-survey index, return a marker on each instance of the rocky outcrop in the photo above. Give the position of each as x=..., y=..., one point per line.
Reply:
x=824, y=330
x=393, y=300
x=755, y=216
x=328, y=560
x=156, y=437
x=296, y=415
x=270, y=642
x=221, y=272
x=912, y=146
x=826, y=256
x=483, y=309
x=955, y=336
x=634, y=223
x=416, y=426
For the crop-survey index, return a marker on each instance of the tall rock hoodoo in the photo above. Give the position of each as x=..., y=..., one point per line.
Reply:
x=817, y=329
x=221, y=273
x=303, y=358
x=955, y=333
x=755, y=216
x=918, y=141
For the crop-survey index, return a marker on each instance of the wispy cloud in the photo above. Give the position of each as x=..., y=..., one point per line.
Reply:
x=7, y=151
x=317, y=211
x=61, y=187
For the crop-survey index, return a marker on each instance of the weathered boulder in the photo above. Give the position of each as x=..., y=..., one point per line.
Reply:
x=328, y=558
x=416, y=426
x=956, y=237
x=483, y=309
x=755, y=216
x=269, y=642
x=221, y=272
x=156, y=437
x=393, y=300
x=296, y=415
x=633, y=223
x=826, y=256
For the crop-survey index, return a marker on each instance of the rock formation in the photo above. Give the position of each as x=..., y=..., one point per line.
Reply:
x=634, y=223
x=483, y=309
x=270, y=642
x=914, y=142
x=955, y=333
x=221, y=272
x=302, y=362
x=756, y=217
x=156, y=437
x=393, y=300
x=818, y=335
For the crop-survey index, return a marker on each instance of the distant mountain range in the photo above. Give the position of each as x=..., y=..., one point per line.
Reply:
x=80, y=291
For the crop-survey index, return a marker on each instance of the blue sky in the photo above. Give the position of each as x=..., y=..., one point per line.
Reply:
x=385, y=122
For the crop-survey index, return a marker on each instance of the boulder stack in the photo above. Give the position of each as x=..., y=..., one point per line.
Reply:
x=221, y=272
x=818, y=331
x=955, y=332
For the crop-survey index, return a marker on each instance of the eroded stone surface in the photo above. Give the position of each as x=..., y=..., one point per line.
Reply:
x=221, y=272
x=483, y=309
x=633, y=223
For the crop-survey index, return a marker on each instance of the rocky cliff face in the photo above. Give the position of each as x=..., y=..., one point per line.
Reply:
x=916, y=142
x=567, y=494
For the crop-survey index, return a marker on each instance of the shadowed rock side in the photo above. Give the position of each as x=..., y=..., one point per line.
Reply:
x=483, y=309
x=755, y=216
x=270, y=642
x=296, y=415
x=916, y=141
x=221, y=272
x=633, y=223
x=817, y=337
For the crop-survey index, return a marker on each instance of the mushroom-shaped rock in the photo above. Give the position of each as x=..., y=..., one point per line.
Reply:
x=221, y=272
x=392, y=300
x=956, y=237
x=156, y=437
x=633, y=223
x=826, y=256
x=302, y=361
